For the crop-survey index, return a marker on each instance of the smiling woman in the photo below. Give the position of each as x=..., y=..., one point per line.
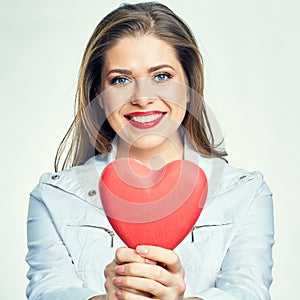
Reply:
x=140, y=96
x=149, y=82
x=170, y=37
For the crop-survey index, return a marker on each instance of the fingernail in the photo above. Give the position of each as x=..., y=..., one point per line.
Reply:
x=120, y=269
x=150, y=262
x=118, y=292
x=141, y=249
x=117, y=280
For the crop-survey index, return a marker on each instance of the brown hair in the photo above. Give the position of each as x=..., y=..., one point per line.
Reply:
x=86, y=138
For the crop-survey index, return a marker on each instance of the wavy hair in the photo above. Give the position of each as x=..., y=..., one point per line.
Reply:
x=86, y=137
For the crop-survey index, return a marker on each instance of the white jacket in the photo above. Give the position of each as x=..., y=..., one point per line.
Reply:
x=228, y=254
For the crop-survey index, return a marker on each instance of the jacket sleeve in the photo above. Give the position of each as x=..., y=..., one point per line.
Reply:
x=246, y=271
x=52, y=274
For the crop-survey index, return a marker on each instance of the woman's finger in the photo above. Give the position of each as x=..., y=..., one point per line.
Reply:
x=129, y=295
x=109, y=273
x=164, y=256
x=153, y=287
x=124, y=255
x=154, y=272
x=138, y=283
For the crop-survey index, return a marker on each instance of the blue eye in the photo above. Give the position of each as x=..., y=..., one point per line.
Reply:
x=119, y=80
x=162, y=77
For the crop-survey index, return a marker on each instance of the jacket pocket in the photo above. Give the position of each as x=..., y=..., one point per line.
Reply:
x=205, y=231
x=98, y=230
x=92, y=246
x=204, y=248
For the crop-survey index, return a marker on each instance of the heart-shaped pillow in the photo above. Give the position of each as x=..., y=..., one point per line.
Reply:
x=152, y=207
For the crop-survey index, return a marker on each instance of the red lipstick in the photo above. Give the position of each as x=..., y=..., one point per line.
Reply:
x=145, y=119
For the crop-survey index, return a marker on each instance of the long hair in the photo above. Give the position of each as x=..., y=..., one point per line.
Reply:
x=84, y=138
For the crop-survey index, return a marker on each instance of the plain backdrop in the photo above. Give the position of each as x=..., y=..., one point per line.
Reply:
x=251, y=54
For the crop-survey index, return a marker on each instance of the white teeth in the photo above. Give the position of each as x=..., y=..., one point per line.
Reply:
x=146, y=119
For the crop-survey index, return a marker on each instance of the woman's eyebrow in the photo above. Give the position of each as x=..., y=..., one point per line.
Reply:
x=121, y=71
x=150, y=70
x=158, y=67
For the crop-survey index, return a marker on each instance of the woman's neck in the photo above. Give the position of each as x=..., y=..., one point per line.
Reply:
x=155, y=158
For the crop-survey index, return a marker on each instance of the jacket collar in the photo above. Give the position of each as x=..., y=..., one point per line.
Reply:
x=82, y=181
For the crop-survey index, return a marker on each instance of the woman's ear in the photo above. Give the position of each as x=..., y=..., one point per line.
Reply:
x=188, y=91
x=188, y=95
x=100, y=101
x=188, y=98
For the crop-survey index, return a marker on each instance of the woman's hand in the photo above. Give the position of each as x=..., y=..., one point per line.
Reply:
x=123, y=256
x=137, y=271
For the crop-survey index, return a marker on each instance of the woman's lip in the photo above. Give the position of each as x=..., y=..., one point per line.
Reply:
x=145, y=125
x=144, y=113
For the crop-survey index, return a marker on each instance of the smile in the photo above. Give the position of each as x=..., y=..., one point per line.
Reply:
x=145, y=120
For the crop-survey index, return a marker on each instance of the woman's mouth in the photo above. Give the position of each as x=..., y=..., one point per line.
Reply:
x=145, y=120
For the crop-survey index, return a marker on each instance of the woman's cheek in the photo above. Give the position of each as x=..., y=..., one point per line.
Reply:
x=114, y=98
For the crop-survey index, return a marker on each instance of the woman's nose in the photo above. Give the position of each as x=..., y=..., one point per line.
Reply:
x=142, y=101
x=144, y=93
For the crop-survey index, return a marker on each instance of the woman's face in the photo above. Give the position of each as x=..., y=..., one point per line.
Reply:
x=144, y=91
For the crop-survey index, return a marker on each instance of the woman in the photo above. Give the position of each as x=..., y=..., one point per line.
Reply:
x=140, y=95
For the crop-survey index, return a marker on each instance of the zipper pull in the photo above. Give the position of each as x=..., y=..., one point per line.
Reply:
x=192, y=233
x=111, y=233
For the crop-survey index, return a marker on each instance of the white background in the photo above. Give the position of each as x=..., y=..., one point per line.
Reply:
x=251, y=53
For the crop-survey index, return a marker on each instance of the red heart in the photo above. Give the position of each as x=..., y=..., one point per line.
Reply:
x=152, y=207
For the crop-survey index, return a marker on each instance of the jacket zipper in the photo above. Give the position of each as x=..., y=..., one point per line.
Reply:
x=203, y=226
x=110, y=232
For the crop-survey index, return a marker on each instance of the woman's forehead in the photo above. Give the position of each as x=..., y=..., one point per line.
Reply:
x=149, y=50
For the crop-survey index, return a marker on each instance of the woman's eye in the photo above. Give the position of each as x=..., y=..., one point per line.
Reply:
x=120, y=80
x=162, y=77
